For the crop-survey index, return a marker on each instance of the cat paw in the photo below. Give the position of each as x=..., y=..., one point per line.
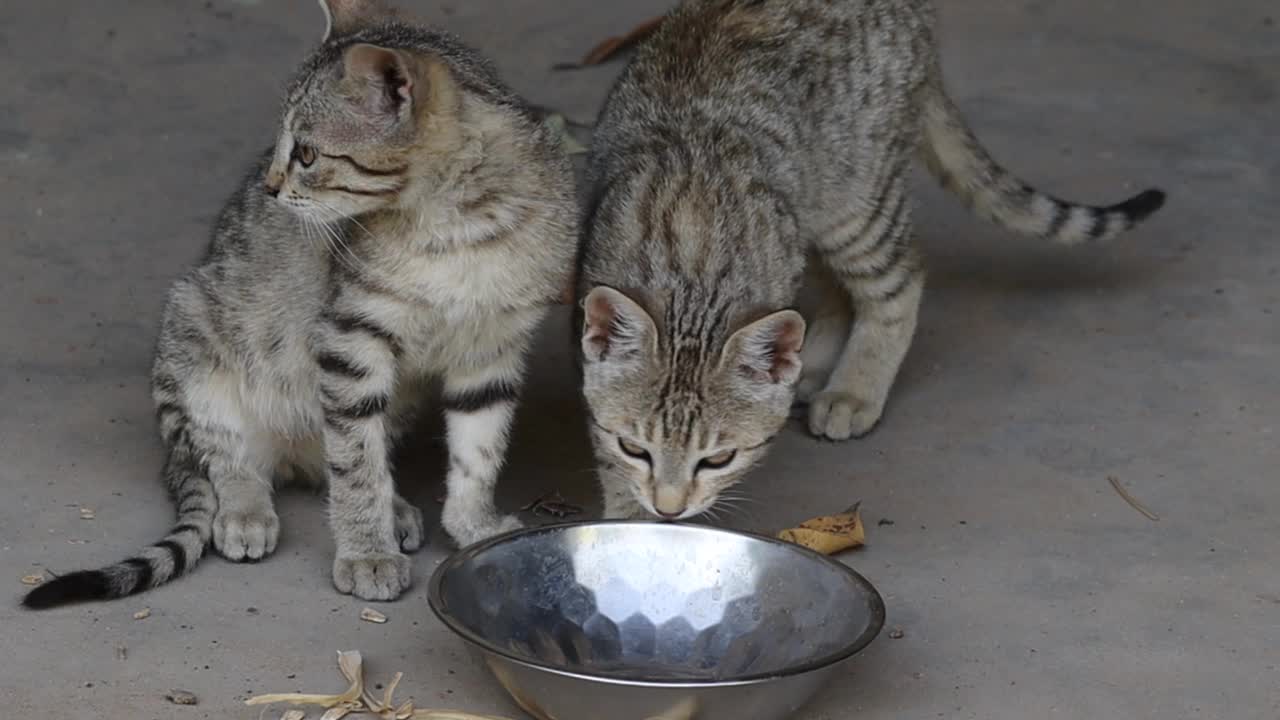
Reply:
x=840, y=416
x=372, y=576
x=410, y=528
x=246, y=536
x=473, y=530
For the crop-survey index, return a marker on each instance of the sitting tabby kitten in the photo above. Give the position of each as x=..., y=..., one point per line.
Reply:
x=414, y=221
x=748, y=141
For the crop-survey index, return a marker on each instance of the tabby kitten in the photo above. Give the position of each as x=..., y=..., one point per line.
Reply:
x=414, y=221
x=747, y=142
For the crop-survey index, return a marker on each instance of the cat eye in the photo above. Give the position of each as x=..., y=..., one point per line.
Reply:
x=304, y=154
x=717, y=461
x=634, y=450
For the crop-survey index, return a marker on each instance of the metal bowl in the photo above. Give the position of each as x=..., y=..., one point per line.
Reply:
x=649, y=621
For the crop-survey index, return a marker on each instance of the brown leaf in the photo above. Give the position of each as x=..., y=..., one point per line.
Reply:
x=614, y=46
x=829, y=534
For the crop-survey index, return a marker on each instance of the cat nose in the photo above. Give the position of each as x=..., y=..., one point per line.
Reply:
x=669, y=502
x=273, y=184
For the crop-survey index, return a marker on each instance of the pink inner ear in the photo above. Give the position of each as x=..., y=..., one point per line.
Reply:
x=786, y=349
x=600, y=315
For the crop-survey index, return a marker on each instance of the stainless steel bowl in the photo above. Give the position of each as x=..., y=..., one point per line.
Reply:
x=650, y=621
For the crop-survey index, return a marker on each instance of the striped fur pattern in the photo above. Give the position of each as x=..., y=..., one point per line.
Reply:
x=413, y=223
x=752, y=145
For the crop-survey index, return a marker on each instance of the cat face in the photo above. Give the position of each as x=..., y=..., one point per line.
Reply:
x=675, y=422
x=351, y=122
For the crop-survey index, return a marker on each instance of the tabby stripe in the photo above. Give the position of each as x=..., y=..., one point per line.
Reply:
x=341, y=470
x=1099, y=227
x=187, y=527
x=365, y=193
x=868, y=217
x=189, y=495
x=177, y=556
x=165, y=407
x=353, y=324
x=338, y=365
x=477, y=399
x=1061, y=213
x=389, y=172
x=364, y=408
x=893, y=292
x=142, y=567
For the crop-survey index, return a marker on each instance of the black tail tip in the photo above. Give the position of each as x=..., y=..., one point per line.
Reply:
x=72, y=588
x=1142, y=205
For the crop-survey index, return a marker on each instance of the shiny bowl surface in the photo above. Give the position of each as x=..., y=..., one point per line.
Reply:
x=651, y=621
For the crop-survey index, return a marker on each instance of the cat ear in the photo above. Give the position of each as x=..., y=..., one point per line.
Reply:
x=615, y=326
x=381, y=81
x=342, y=17
x=767, y=350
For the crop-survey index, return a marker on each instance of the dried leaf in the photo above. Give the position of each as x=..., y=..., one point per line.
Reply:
x=87, y=513
x=373, y=616
x=829, y=534
x=349, y=662
x=293, y=715
x=142, y=614
x=356, y=700
x=182, y=697
x=614, y=46
x=32, y=579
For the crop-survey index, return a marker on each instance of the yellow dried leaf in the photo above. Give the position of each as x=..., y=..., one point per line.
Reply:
x=293, y=715
x=142, y=614
x=829, y=534
x=32, y=579
x=349, y=662
x=87, y=513
x=357, y=701
x=373, y=616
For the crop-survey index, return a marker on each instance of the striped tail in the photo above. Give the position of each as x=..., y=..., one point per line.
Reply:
x=177, y=553
x=964, y=167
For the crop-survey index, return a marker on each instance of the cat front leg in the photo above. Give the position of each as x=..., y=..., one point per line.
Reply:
x=480, y=405
x=357, y=363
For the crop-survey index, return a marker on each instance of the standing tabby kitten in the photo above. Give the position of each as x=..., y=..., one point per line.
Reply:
x=414, y=221
x=747, y=140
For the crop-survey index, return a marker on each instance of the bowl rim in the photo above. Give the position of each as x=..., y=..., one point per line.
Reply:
x=435, y=598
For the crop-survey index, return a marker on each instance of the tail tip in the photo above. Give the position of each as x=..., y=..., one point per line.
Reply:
x=1142, y=205
x=75, y=587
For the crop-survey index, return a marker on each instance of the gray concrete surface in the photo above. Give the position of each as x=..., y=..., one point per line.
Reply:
x=1024, y=586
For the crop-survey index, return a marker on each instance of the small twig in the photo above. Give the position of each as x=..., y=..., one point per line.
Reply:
x=1133, y=502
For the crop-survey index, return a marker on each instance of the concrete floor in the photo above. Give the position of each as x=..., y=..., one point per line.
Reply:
x=1024, y=585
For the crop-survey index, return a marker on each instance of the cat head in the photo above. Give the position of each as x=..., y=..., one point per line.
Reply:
x=679, y=414
x=357, y=116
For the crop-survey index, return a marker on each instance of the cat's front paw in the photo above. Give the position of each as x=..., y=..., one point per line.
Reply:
x=474, y=529
x=372, y=576
x=246, y=535
x=840, y=416
x=410, y=530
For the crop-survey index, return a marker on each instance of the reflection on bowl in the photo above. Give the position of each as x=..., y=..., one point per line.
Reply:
x=638, y=620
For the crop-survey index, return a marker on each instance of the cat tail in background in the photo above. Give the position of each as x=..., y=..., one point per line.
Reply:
x=178, y=552
x=963, y=166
